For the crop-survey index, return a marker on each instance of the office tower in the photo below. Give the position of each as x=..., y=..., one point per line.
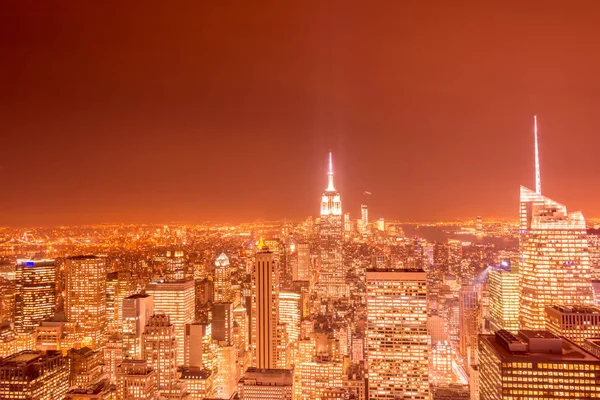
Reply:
x=135, y=381
x=289, y=313
x=265, y=309
x=469, y=324
x=119, y=285
x=199, y=382
x=504, y=299
x=347, y=223
x=304, y=270
x=8, y=340
x=85, y=302
x=316, y=376
x=453, y=262
x=479, y=225
x=226, y=377
x=222, y=280
x=102, y=390
x=198, y=345
x=160, y=350
x=85, y=367
x=113, y=356
x=381, y=225
x=555, y=266
x=575, y=323
x=283, y=349
x=364, y=215
x=137, y=309
x=535, y=365
x=396, y=332
x=261, y=384
x=441, y=363
x=7, y=300
x=222, y=323
x=332, y=282
x=240, y=338
x=176, y=299
x=35, y=293
x=175, y=267
x=34, y=375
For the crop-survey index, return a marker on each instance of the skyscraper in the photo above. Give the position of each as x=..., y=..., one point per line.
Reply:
x=85, y=302
x=331, y=281
x=35, y=293
x=303, y=262
x=364, y=215
x=175, y=268
x=137, y=310
x=222, y=280
x=160, y=350
x=265, y=309
x=467, y=309
x=397, y=341
x=261, y=384
x=504, y=299
x=176, y=299
x=222, y=323
x=135, y=381
x=119, y=285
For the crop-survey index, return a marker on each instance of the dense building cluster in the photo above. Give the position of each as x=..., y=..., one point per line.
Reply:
x=328, y=308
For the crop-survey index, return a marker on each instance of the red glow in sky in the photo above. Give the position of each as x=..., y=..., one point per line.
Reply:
x=225, y=111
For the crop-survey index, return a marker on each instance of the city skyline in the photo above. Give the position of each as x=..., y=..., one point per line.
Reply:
x=428, y=108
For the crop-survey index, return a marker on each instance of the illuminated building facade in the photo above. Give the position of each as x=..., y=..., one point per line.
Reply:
x=317, y=376
x=441, y=363
x=85, y=367
x=265, y=309
x=469, y=323
x=263, y=384
x=289, y=313
x=504, y=299
x=575, y=323
x=222, y=279
x=535, y=365
x=113, y=356
x=396, y=332
x=199, y=382
x=119, y=285
x=176, y=299
x=304, y=270
x=332, y=282
x=137, y=310
x=35, y=293
x=175, y=268
x=30, y=375
x=85, y=300
x=160, y=350
x=555, y=266
x=135, y=381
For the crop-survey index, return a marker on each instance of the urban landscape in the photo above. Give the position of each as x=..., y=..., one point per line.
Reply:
x=299, y=200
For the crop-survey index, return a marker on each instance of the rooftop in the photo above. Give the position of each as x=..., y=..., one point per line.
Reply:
x=576, y=309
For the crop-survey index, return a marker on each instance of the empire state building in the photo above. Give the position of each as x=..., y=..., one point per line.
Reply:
x=331, y=282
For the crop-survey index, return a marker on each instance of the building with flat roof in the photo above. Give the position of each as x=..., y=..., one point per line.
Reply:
x=261, y=384
x=535, y=365
x=576, y=323
x=31, y=375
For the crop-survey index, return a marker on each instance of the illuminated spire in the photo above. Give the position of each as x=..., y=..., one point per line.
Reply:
x=330, y=187
x=538, y=181
x=261, y=244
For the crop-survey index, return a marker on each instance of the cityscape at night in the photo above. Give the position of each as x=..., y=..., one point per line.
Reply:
x=299, y=200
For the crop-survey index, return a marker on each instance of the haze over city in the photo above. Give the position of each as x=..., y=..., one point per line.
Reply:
x=204, y=111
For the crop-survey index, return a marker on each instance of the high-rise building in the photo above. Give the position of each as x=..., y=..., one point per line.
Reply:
x=316, y=376
x=469, y=323
x=137, y=309
x=504, y=299
x=199, y=382
x=265, y=309
x=175, y=267
x=85, y=302
x=160, y=350
x=35, y=293
x=30, y=375
x=176, y=299
x=85, y=367
x=397, y=342
x=113, y=356
x=575, y=323
x=289, y=313
x=135, y=381
x=222, y=323
x=304, y=270
x=441, y=363
x=261, y=384
x=119, y=285
x=332, y=282
x=364, y=215
x=222, y=279
x=535, y=365
x=555, y=266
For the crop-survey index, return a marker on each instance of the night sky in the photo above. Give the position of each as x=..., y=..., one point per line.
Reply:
x=225, y=110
